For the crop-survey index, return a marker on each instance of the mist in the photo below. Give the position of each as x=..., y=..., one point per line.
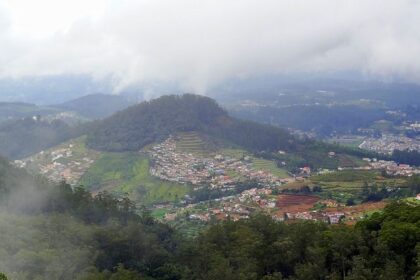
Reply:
x=197, y=46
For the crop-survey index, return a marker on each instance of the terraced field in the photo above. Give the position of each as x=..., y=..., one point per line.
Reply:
x=234, y=153
x=350, y=161
x=352, y=181
x=269, y=166
x=192, y=142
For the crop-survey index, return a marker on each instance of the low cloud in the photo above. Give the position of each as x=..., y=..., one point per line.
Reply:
x=198, y=44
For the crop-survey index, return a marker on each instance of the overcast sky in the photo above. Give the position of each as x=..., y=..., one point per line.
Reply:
x=201, y=43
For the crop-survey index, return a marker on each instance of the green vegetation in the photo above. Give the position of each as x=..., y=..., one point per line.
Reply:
x=192, y=142
x=234, y=153
x=359, y=185
x=269, y=166
x=262, y=249
x=128, y=173
x=23, y=137
x=322, y=119
x=347, y=176
x=158, y=213
x=409, y=157
x=383, y=126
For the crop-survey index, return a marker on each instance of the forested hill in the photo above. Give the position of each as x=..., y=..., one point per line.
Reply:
x=22, y=137
x=139, y=125
x=96, y=106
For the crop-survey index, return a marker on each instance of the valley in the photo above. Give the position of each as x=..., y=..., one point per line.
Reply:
x=151, y=166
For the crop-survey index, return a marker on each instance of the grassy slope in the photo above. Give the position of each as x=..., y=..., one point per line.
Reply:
x=353, y=180
x=129, y=173
x=269, y=166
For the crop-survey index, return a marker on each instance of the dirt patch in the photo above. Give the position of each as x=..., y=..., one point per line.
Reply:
x=295, y=203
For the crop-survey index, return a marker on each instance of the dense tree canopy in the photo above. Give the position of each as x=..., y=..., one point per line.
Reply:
x=23, y=137
x=154, y=121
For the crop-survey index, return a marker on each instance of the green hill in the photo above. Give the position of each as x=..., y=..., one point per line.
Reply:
x=154, y=121
x=189, y=115
x=23, y=137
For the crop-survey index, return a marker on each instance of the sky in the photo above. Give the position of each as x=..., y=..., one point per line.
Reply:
x=200, y=44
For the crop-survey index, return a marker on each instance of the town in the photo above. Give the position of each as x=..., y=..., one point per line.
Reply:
x=218, y=172
x=68, y=162
x=388, y=143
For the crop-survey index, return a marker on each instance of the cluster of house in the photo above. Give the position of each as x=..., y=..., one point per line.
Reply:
x=168, y=163
x=256, y=199
x=412, y=126
x=242, y=205
x=388, y=143
x=392, y=168
x=57, y=165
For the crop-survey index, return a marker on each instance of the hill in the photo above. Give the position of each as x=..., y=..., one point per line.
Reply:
x=13, y=110
x=22, y=137
x=96, y=106
x=154, y=121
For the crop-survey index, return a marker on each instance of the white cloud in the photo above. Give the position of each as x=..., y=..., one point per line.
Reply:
x=200, y=43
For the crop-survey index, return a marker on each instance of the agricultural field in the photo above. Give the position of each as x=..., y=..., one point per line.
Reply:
x=352, y=181
x=234, y=153
x=348, y=141
x=350, y=161
x=269, y=166
x=295, y=203
x=348, y=176
x=128, y=173
x=192, y=142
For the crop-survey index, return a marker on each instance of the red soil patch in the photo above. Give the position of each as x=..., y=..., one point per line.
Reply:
x=295, y=203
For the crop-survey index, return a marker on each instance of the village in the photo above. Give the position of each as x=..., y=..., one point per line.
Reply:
x=388, y=143
x=283, y=207
x=392, y=168
x=67, y=162
x=218, y=172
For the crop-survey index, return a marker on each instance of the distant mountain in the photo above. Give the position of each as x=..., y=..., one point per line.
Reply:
x=12, y=110
x=287, y=91
x=51, y=89
x=96, y=106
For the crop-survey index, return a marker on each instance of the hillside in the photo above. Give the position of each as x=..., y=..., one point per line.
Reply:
x=14, y=110
x=23, y=137
x=96, y=106
x=154, y=121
